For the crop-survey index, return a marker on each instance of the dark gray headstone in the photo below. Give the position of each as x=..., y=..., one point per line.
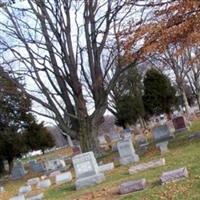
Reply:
x=161, y=133
x=18, y=171
x=194, y=136
x=36, y=167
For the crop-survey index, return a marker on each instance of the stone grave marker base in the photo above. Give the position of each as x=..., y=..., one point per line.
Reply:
x=88, y=181
x=163, y=147
x=36, y=197
x=106, y=167
x=132, y=186
x=20, y=197
x=144, y=166
x=129, y=159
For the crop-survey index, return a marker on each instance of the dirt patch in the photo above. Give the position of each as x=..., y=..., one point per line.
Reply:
x=103, y=194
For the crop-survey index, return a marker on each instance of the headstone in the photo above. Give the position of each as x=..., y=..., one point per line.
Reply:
x=142, y=143
x=161, y=135
x=36, y=167
x=24, y=189
x=144, y=166
x=87, y=170
x=43, y=177
x=44, y=184
x=127, y=152
x=175, y=175
x=132, y=186
x=106, y=167
x=55, y=164
x=33, y=181
x=18, y=171
x=63, y=178
x=163, y=146
x=2, y=189
x=55, y=173
x=126, y=135
x=115, y=137
x=76, y=150
x=20, y=197
x=102, y=140
x=194, y=136
x=35, y=197
x=179, y=124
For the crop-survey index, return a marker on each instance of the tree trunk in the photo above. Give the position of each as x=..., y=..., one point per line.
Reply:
x=88, y=136
x=10, y=165
x=185, y=101
x=2, y=167
x=142, y=122
x=198, y=98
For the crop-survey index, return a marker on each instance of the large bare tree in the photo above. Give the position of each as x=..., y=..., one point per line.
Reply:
x=66, y=49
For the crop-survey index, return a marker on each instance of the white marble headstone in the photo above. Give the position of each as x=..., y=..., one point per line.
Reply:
x=44, y=184
x=127, y=152
x=86, y=170
x=25, y=189
x=63, y=178
x=20, y=197
x=85, y=165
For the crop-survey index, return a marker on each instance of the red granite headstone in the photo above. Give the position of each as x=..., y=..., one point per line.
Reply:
x=179, y=123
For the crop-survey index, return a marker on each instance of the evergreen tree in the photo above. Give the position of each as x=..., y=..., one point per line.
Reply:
x=128, y=102
x=38, y=137
x=14, y=118
x=159, y=95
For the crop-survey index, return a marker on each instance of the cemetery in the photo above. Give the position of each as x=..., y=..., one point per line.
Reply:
x=173, y=174
x=99, y=100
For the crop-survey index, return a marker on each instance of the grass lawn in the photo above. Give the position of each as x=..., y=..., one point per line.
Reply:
x=182, y=153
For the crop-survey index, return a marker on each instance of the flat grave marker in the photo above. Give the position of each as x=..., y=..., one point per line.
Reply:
x=145, y=166
x=174, y=175
x=132, y=186
x=63, y=178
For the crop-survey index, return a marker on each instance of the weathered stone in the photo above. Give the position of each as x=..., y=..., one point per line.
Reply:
x=36, y=166
x=20, y=197
x=179, y=124
x=87, y=170
x=144, y=166
x=194, y=136
x=163, y=147
x=18, y=171
x=2, y=189
x=55, y=164
x=63, y=178
x=174, y=175
x=88, y=181
x=55, y=173
x=35, y=197
x=33, y=181
x=127, y=152
x=25, y=189
x=132, y=186
x=44, y=184
x=106, y=167
x=161, y=133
